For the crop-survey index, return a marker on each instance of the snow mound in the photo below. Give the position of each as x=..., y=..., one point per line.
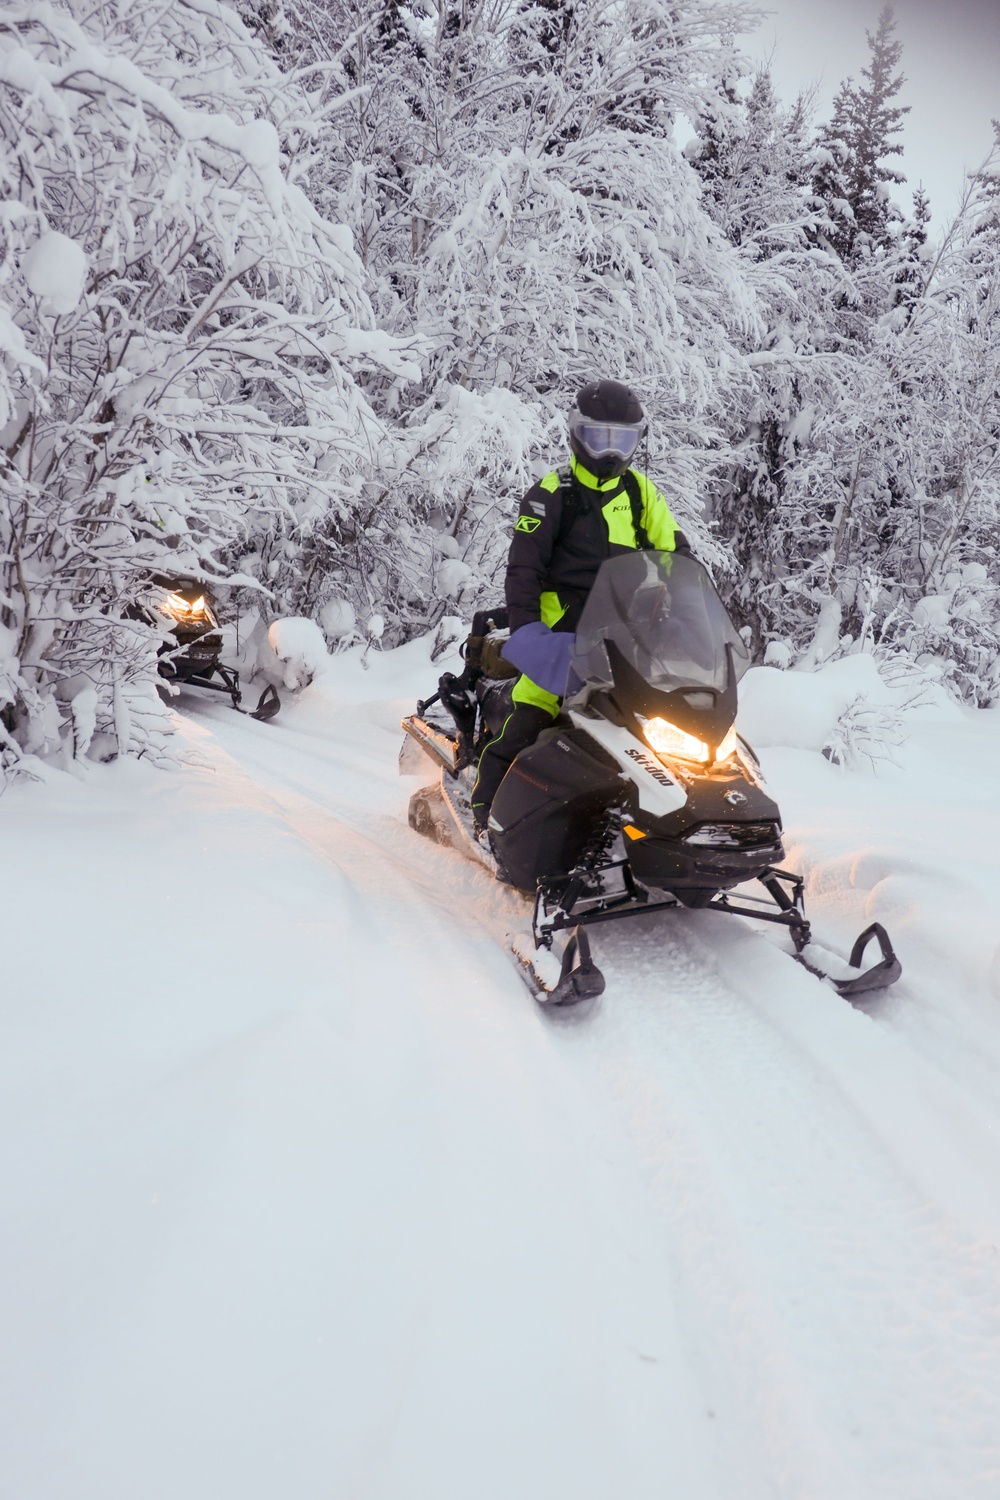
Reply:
x=293, y=653
x=801, y=709
x=933, y=611
x=338, y=619
x=452, y=576
x=56, y=268
x=259, y=145
x=806, y=710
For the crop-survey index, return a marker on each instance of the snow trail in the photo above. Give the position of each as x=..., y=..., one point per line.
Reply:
x=734, y=1075
x=823, y=1287
x=310, y=1198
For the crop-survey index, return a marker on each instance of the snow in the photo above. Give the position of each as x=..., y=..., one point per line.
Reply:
x=303, y=1196
x=84, y=712
x=933, y=611
x=452, y=576
x=259, y=145
x=338, y=619
x=293, y=652
x=13, y=346
x=803, y=709
x=55, y=269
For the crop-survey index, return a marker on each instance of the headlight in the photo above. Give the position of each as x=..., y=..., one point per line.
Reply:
x=734, y=835
x=187, y=611
x=728, y=746
x=666, y=739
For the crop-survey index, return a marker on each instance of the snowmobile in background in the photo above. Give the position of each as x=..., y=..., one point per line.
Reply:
x=641, y=797
x=186, y=608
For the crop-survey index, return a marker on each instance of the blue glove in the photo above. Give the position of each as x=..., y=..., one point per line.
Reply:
x=542, y=654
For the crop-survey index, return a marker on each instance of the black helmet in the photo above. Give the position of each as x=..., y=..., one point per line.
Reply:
x=605, y=427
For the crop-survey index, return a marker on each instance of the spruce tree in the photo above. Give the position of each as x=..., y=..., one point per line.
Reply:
x=983, y=197
x=751, y=156
x=853, y=179
x=834, y=227
x=912, y=254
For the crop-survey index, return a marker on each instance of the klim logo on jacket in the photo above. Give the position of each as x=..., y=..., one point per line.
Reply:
x=527, y=523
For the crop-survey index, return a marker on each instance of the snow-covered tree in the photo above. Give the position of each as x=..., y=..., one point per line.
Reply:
x=515, y=191
x=754, y=160
x=757, y=166
x=831, y=183
x=822, y=504
x=180, y=335
x=869, y=516
x=855, y=176
x=912, y=253
x=947, y=364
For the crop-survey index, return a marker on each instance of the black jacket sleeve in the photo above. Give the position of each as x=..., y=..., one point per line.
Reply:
x=535, y=534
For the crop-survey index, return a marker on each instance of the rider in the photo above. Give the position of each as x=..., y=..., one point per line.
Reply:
x=567, y=525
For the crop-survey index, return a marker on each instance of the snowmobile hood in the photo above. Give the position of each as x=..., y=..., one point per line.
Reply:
x=661, y=614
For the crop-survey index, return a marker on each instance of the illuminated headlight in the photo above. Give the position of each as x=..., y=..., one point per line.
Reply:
x=666, y=739
x=187, y=611
x=728, y=746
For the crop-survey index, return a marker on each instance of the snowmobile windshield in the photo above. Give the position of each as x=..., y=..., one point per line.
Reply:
x=661, y=611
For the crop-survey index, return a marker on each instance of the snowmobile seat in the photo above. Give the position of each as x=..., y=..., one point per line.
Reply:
x=495, y=702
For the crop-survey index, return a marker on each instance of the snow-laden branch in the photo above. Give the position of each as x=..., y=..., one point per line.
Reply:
x=179, y=331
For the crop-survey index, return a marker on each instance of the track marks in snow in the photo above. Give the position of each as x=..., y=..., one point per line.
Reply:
x=538, y=1348
x=811, y=1194
x=846, y=1328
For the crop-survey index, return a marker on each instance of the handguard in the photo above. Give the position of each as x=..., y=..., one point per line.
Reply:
x=542, y=654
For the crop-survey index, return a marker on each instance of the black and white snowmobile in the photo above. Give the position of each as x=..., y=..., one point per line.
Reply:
x=185, y=607
x=640, y=798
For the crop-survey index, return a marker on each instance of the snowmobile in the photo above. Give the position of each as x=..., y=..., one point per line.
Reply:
x=640, y=798
x=186, y=607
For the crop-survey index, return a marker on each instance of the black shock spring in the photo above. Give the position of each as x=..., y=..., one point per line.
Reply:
x=595, y=851
x=593, y=856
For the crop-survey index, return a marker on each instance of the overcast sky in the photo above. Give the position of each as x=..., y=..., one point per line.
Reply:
x=951, y=61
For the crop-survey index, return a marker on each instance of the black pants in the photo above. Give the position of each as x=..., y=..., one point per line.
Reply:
x=520, y=730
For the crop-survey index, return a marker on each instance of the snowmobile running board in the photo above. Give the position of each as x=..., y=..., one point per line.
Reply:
x=441, y=748
x=549, y=920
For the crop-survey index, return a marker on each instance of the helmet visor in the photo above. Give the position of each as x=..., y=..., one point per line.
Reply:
x=605, y=439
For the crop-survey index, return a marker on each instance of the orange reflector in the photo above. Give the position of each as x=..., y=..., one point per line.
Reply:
x=633, y=832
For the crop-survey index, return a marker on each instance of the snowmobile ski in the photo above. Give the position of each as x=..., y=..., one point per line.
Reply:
x=268, y=704
x=570, y=985
x=862, y=981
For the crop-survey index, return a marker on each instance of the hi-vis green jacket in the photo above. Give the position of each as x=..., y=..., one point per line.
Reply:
x=552, y=566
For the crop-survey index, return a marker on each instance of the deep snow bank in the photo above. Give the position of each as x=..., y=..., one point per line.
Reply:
x=902, y=831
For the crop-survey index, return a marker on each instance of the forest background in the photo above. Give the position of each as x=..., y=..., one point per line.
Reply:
x=294, y=299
